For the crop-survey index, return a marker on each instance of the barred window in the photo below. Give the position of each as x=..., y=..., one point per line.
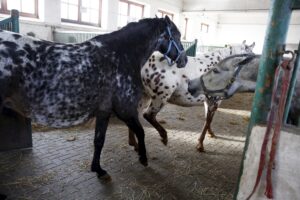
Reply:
x=129, y=12
x=26, y=8
x=86, y=12
x=161, y=13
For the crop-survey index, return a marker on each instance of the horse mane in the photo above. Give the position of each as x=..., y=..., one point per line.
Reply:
x=222, y=62
x=155, y=24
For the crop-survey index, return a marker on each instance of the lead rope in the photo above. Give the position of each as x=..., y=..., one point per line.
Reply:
x=284, y=68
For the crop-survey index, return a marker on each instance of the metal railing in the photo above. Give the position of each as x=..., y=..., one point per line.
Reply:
x=12, y=23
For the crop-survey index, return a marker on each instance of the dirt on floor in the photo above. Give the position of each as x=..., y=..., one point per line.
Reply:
x=58, y=165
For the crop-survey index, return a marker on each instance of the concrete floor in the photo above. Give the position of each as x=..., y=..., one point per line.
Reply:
x=56, y=168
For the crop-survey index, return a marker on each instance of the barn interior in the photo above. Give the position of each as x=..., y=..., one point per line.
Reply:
x=40, y=162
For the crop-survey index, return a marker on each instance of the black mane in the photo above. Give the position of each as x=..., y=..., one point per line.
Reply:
x=155, y=24
x=134, y=35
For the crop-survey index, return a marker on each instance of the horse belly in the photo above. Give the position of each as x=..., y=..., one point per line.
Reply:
x=63, y=102
x=63, y=113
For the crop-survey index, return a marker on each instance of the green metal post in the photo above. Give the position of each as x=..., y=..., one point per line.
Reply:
x=274, y=39
x=279, y=17
x=15, y=21
x=292, y=85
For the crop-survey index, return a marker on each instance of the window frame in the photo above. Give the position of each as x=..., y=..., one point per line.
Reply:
x=79, y=16
x=204, y=27
x=128, y=8
x=186, y=21
x=4, y=10
x=166, y=13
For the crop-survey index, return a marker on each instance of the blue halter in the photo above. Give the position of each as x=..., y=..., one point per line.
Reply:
x=172, y=42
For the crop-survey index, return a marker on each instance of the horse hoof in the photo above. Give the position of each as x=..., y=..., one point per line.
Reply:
x=212, y=135
x=200, y=149
x=136, y=149
x=164, y=141
x=131, y=144
x=144, y=161
x=105, y=178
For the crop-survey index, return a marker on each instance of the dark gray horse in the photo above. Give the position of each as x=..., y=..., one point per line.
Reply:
x=61, y=85
x=238, y=74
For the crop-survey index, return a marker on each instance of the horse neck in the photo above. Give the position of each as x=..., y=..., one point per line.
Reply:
x=225, y=52
x=137, y=41
x=248, y=75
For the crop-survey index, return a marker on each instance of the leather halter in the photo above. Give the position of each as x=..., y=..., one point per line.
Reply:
x=238, y=68
x=172, y=42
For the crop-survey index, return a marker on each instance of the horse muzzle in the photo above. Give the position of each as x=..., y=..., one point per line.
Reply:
x=182, y=61
x=194, y=88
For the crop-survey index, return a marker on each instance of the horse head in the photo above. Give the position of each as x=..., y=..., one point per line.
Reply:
x=234, y=74
x=240, y=48
x=170, y=46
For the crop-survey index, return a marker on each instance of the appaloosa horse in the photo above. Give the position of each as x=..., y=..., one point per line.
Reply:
x=61, y=85
x=237, y=74
x=164, y=84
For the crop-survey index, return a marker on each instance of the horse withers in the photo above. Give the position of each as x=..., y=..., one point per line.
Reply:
x=62, y=85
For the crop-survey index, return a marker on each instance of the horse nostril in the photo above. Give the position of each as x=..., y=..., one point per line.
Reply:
x=191, y=89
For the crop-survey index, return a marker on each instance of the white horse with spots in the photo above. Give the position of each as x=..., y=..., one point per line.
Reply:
x=164, y=84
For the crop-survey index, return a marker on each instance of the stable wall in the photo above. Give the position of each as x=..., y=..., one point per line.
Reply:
x=50, y=19
x=232, y=21
x=285, y=175
x=236, y=27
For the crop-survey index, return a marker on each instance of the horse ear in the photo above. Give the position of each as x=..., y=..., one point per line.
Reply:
x=156, y=16
x=244, y=42
x=167, y=19
x=252, y=45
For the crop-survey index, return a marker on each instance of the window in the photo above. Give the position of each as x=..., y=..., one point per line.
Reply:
x=27, y=8
x=129, y=12
x=81, y=11
x=161, y=13
x=204, y=28
x=186, y=20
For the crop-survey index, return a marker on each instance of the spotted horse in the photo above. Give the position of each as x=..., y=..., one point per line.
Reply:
x=164, y=84
x=61, y=85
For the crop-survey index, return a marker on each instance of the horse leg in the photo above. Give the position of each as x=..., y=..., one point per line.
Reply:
x=131, y=140
x=134, y=125
x=210, y=109
x=144, y=103
x=150, y=115
x=1, y=104
x=100, y=132
x=208, y=121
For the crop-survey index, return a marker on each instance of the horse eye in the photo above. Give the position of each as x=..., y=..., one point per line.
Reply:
x=215, y=70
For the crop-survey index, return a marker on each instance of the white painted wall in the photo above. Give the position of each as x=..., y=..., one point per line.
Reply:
x=236, y=27
x=232, y=21
x=217, y=5
x=194, y=28
x=49, y=17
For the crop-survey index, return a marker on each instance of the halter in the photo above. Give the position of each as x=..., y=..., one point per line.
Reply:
x=238, y=68
x=172, y=42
